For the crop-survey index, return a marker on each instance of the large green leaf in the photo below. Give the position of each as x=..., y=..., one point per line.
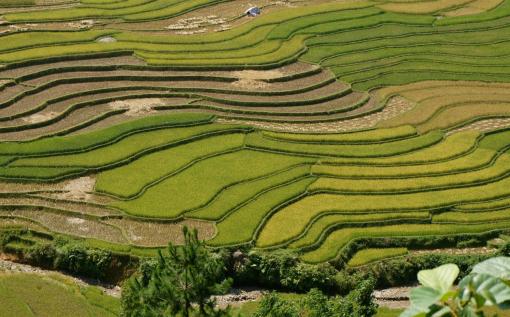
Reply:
x=413, y=312
x=498, y=267
x=486, y=288
x=440, y=278
x=424, y=297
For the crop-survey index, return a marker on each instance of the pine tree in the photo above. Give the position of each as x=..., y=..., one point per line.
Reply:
x=180, y=284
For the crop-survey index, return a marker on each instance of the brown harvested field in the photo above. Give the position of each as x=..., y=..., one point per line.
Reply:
x=68, y=114
x=153, y=234
x=75, y=118
x=394, y=107
x=27, y=105
x=431, y=98
x=180, y=75
x=92, y=199
x=32, y=69
x=163, y=80
x=116, y=230
x=456, y=115
x=343, y=104
x=328, y=90
x=26, y=201
x=75, y=226
x=484, y=125
x=428, y=108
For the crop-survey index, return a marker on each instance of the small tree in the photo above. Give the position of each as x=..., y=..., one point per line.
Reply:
x=487, y=285
x=180, y=284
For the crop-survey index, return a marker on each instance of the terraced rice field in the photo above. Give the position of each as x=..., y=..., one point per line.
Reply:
x=308, y=127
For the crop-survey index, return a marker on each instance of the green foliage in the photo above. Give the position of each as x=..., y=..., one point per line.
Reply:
x=273, y=305
x=180, y=284
x=487, y=285
x=77, y=259
x=283, y=270
x=357, y=303
x=73, y=256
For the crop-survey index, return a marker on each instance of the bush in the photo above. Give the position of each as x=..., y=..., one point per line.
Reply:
x=43, y=255
x=73, y=256
x=284, y=270
x=273, y=305
x=402, y=271
x=358, y=303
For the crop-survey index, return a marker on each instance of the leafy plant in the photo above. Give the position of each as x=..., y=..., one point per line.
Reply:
x=488, y=284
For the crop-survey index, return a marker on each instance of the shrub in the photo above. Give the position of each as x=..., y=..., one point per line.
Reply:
x=358, y=303
x=284, y=270
x=273, y=305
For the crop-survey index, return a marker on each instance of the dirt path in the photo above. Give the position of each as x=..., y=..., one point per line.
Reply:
x=393, y=298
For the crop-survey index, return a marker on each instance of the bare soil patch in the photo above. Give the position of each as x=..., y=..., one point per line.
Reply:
x=137, y=107
x=79, y=188
x=394, y=298
x=83, y=24
x=250, y=84
x=198, y=24
x=40, y=117
x=238, y=296
x=77, y=117
x=258, y=74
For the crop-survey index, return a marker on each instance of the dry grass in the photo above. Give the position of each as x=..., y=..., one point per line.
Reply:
x=62, y=205
x=74, y=226
x=152, y=234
